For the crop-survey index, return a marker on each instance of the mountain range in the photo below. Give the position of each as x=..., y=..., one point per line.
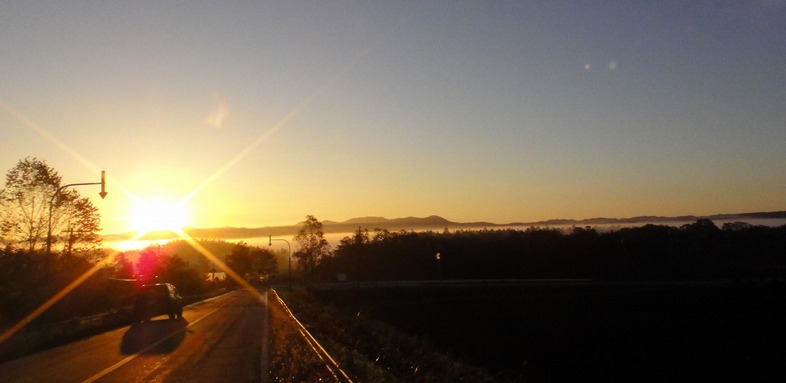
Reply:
x=435, y=222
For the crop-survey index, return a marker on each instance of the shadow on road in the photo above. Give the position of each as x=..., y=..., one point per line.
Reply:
x=153, y=337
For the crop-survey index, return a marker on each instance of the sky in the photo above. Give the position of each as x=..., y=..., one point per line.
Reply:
x=258, y=113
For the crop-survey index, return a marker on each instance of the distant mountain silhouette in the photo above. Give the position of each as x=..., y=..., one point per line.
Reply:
x=655, y=219
x=433, y=222
x=363, y=220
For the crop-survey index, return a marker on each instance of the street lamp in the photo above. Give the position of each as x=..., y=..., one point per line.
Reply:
x=57, y=192
x=289, y=248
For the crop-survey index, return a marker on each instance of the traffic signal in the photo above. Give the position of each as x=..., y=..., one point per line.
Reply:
x=103, y=185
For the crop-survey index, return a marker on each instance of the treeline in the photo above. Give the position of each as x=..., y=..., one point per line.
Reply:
x=28, y=280
x=53, y=266
x=699, y=250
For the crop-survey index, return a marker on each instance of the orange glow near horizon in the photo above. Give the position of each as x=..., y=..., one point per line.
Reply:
x=106, y=261
x=159, y=215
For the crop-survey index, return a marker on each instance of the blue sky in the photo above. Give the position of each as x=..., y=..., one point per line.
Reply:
x=259, y=113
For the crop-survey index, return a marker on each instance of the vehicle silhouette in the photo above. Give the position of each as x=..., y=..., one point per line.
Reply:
x=157, y=299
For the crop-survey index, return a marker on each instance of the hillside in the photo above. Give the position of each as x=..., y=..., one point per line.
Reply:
x=435, y=222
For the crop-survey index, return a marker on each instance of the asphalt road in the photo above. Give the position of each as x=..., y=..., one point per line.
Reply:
x=217, y=340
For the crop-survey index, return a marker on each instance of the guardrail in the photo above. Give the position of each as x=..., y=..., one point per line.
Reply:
x=330, y=364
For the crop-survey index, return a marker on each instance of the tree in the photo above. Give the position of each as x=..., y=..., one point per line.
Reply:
x=177, y=271
x=31, y=198
x=705, y=236
x=124, y=268
x=350, y=251
x=264, y=261
x=312, y=245
x=251, y=262
x=82, y=228
x=240, y=259
x=149, y=264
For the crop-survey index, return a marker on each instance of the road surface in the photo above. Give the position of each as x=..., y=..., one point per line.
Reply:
x=217, y=340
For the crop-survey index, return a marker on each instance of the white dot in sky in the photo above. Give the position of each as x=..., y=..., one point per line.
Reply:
x=587, y=66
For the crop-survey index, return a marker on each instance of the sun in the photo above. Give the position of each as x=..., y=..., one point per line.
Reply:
x=159, y=215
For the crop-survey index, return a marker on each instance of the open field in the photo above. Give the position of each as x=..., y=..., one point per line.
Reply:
x=588, y=333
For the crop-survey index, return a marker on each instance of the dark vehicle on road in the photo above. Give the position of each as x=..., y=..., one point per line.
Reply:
x=158, y=299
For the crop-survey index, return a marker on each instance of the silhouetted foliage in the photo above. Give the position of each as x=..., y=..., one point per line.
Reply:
x=33, y=203
x=156, y=265
x=194, y=257
x=124, y=269
x=28, y=280
x=312, y=247
x=350, y=249
x=252, y=262
x=699, y=250
x=75, y=277
x=150, y=264
x=240, y=259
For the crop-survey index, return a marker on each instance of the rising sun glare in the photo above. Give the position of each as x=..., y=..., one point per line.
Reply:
x=159, y=215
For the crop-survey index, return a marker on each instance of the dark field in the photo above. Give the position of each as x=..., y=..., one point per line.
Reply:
x=592, y=332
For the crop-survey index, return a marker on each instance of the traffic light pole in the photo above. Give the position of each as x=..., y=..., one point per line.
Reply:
x=57, y=192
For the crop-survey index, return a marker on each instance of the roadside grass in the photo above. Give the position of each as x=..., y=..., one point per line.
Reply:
x=564, y=333
x=39, y=338
x=292, y=359
x=36, y=339
x=366, y=349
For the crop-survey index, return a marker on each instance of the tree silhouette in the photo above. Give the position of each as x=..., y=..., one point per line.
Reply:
x=350, y=249
x=30, y=198
x=311, y=243
x=178, y=272
x=150, y=264
x=652, y=252
x=124, y=269
x=240, y=259
x=251, y=262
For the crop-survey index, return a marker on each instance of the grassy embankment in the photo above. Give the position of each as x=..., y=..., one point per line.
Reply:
x=32, y=339
x=564, y=333
x=367, y=350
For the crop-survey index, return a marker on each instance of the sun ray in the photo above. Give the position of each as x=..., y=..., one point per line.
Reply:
x=221, y=265
x=58, y=296
x=296, y=111
x=30, y=124
x=264, y=136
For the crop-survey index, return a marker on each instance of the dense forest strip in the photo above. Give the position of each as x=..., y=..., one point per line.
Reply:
x=696, y=251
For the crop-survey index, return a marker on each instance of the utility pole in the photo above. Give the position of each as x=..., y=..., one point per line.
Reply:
x=289, y=247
